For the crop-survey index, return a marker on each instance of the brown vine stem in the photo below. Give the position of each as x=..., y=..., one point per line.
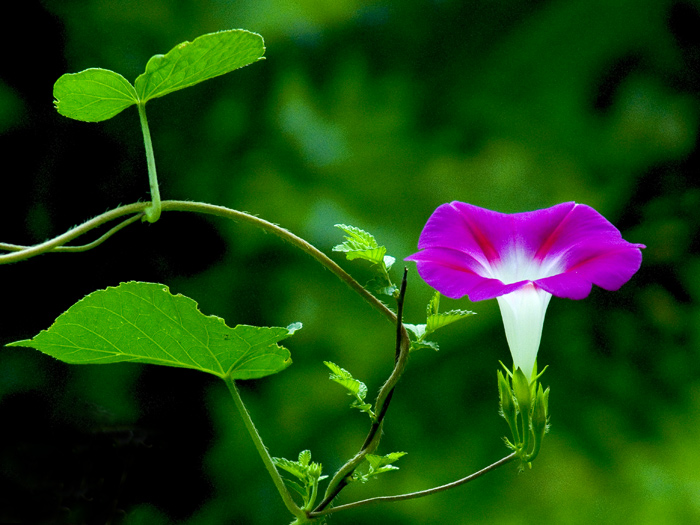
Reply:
x=419, y=494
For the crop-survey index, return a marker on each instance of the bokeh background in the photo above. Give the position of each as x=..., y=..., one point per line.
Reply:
x=370, y=113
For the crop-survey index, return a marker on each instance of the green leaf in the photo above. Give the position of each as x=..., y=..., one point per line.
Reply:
x=295, y=468
x=305, y=457
x=343, y=377
x=377, y=462
x=144, y=323
x=361, y=245
x=356, y=388
x=93, y=95
x=206, y=57
x=437, y=321
x=378, y=465
x=417, y=330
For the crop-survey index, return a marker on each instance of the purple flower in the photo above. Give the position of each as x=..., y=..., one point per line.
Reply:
x=523, y=259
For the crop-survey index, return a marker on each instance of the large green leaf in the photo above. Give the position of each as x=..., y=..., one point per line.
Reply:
x=144, y=323
x=93, y=95
x=205, y=57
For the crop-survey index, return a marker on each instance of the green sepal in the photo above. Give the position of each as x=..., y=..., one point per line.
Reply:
x=507, y=406
x=521, y=389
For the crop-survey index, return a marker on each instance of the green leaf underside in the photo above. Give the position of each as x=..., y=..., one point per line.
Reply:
x=437, y=321
x=377, y=462
x=93, y=95
x=343, y=377
x=378, y=465
x=361, y=245
x=295, y=468
x=144, y=323
x=206, y=57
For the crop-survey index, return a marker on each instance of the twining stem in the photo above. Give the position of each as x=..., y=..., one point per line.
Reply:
x=419, y=494
x=82, y=247
x=264, y=454
x=207, y=209
x=344, y=474
x=403, y=342
x=74, y=233
x=153, y=211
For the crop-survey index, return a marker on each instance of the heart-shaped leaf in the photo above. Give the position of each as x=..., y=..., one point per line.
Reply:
x=144, y=323
x=93, y=95
x=206, y=57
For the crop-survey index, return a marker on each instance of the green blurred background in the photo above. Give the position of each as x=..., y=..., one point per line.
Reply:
x=369, y=113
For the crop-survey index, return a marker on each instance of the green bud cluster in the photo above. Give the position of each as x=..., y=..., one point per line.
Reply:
x=525, y=407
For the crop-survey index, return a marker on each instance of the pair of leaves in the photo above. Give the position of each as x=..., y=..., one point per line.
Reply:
x=307, y=472
x=378, y=465
x=355, y=387
x=144, y=323
x=360, y=244
x=98, y=94
x=434, y=321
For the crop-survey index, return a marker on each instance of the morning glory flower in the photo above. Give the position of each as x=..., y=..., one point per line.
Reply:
x=522, y=259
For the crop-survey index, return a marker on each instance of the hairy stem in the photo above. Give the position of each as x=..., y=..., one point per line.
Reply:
x=153, y=211
x=82, y=247
x=264, y=454
x=419, y=494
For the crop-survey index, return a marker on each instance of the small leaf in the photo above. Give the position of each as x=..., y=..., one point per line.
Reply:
x=144, y=323
x=206, y=57
x=344, y=378
x=437, y=321
x=419, y=345
x=377, y=462
x=378, y=465
x=356, y=388
x=302, y=491
x=416, y=329
x=360, y=245
x=293, y=467
x=93, y=95
x=305, y=457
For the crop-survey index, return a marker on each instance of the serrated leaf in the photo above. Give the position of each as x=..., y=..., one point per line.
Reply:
x=416, y=329
x=293, y=467
x=377, y=462
x=93, y=95
x=144, y=323
x=305, y=457
x=206, y=57
x=378, y=465
x=344, y=378
x=302, y=491
x=420, y=345
x=360, y=244
x=439, y=320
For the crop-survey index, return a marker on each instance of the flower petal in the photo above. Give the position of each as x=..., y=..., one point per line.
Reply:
x=456, y=274
x=564, y=249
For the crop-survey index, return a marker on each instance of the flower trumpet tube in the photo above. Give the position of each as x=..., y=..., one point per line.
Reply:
x=522, y=259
